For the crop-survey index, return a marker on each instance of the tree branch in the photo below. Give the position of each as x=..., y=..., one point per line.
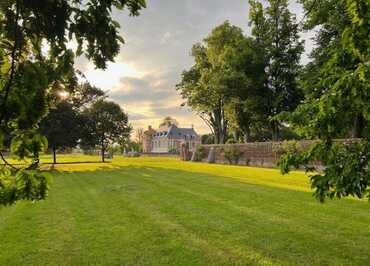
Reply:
x=6, y=162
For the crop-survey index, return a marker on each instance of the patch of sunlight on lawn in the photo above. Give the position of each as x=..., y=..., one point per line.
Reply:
x=269, y=177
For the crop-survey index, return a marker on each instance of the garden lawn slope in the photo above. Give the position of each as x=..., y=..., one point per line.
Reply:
x=156, y=211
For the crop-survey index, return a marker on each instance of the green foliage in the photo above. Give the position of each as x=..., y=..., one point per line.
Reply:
x=208, y=139
x=207, y=86
x=63, y=124
x=173, y=150
x=232, y=153
x=28, y=145
x=231, y=141
x=345, y=168
x=104, y=124
x=289, y=152
x=200, y=153
x=276, y=33
x=134, y=146
x=22, y=184
x=35, y=62
x=336, y=85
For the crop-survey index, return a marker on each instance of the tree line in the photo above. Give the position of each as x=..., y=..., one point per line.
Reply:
x=87, y=119
x=256, y=88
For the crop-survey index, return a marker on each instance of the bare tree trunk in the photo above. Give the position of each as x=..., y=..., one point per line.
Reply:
x=54, y=155
x=102, y=150
x=102, y=153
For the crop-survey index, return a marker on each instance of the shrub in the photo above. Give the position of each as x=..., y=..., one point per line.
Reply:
x=232, y=153
x=285, y=147
x=173, y=150
x=231, y=141
x=200, y=153
x=287, y=151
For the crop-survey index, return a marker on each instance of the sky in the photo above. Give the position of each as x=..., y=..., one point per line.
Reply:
x=158, y=42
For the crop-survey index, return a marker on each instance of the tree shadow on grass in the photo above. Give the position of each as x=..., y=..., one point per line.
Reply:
x=78, y=162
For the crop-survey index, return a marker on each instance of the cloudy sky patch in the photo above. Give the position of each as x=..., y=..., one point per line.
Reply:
x=158, y=43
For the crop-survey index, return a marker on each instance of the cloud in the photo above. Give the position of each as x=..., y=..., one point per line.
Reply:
x=157, y=50
x=166, y=37
x=133, y=116
x=146, y=89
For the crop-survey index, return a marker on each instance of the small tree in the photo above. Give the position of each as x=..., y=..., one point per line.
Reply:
x=61, y=127
x=139, y=135
x=104, y=124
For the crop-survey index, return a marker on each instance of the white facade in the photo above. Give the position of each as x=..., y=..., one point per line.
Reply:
x=170, y=139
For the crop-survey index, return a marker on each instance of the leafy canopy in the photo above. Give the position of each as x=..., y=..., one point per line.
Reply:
x=337, y=99
x=104, y=124
x=35, y=63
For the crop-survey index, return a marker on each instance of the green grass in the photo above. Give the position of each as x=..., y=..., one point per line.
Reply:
x=156, y=211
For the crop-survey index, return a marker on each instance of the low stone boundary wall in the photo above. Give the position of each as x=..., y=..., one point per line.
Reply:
x=149, y=154
x=253, y=154
x=262, y=154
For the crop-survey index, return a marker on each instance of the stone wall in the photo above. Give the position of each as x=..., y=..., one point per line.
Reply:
x=262, y=154
x=253, y=154
x=153, y=154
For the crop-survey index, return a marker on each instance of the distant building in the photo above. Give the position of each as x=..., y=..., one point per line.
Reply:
x=169, y=138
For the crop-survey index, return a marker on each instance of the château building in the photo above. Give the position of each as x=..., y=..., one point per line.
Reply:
x=169, y=138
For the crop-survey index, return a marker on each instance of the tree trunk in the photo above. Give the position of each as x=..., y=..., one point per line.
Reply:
x=275, y=131
x=54, y=155
x=358, y=127
x=236, y=135
x=246, y=136
x=102, y=152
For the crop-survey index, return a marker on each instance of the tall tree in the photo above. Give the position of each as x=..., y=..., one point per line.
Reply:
x=209, y=83
x=28, y=74
x=105, y=124
x=276, y=31
x=247, y=106
x=337, y=99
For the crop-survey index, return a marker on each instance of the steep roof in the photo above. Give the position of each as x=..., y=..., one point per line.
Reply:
x=179, y=132
x=176, y=132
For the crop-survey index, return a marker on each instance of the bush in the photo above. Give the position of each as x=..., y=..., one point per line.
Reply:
x=232, y=153
x=285, y=147
x=200, y=154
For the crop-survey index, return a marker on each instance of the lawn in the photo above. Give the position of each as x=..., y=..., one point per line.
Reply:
x=156, y=211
